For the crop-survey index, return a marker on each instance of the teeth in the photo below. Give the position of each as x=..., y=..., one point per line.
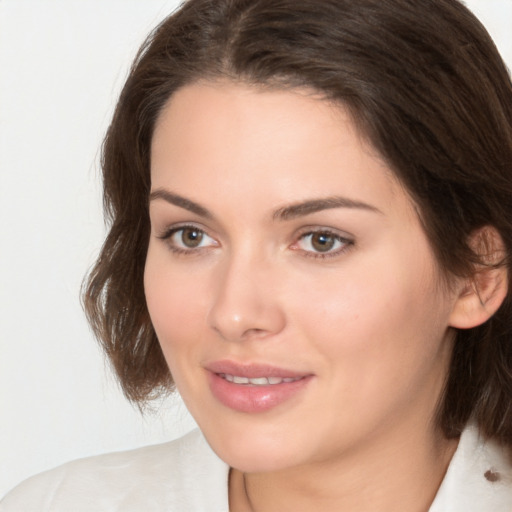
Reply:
x=258, y=381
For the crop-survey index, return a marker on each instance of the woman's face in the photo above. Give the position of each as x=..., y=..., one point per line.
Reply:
x=292, y=288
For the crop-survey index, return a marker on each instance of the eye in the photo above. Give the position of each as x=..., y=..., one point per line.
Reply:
x=187, y=239
x=322, y=243
x=190, y=238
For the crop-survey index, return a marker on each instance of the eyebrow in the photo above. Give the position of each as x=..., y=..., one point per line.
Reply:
x=288, y=212
x=316, y=205
x=180, y=201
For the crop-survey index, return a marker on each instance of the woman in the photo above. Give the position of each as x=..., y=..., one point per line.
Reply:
x=311, y=231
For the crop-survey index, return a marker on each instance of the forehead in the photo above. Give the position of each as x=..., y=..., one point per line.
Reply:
x=237, y=140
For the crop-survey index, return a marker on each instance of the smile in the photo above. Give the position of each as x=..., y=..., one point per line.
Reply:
x=257, y=381
x=255, y=388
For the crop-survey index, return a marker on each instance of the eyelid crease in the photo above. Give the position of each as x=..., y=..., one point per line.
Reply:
x=311, y=230
x=168, y=233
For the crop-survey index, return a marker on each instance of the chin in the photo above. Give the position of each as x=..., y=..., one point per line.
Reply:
x=254, y=450
x=254, y=460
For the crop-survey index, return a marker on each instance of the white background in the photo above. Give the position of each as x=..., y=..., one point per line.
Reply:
x=62, y=64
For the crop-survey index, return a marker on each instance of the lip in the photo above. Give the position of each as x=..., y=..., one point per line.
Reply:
x=248, y=398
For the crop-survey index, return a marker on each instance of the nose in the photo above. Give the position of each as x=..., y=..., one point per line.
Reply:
x=245, y=304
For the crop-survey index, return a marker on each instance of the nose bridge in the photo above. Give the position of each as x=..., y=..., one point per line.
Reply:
x=244, y=304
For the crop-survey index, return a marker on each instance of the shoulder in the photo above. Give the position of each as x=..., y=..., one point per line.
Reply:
x=180, y=475
x=478, y=479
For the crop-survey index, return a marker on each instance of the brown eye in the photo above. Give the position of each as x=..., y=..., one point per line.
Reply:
x=191, y=238
x=188, y=239
x=323, y=242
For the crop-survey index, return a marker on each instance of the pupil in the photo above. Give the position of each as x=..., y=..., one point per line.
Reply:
x=322, y=242
x=191, y=237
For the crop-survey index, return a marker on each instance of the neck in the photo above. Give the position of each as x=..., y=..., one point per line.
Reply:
x=402, y=473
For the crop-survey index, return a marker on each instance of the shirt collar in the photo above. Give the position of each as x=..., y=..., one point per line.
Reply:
x=478, y=479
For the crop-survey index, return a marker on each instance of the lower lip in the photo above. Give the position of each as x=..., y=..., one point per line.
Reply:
x=253, y=399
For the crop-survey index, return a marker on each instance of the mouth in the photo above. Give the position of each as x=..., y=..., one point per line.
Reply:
x=255, y=372
x=257, y=381
x=255, y=388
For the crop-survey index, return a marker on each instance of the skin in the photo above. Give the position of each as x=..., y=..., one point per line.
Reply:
x=369, y=319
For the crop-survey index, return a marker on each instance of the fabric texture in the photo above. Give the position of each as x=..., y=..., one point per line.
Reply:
x=186, y=476
x=179, y=476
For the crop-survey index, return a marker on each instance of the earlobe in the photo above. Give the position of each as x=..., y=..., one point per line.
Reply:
x=481, y=295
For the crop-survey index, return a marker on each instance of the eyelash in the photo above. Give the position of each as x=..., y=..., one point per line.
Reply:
x=347, y=243
x=169, y=233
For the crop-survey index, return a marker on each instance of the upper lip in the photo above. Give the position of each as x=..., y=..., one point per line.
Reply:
x=253, y=370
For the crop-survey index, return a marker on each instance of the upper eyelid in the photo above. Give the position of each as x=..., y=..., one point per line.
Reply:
x=161, y=223
x=340, y=237
x=171, y=229
x=322, y=229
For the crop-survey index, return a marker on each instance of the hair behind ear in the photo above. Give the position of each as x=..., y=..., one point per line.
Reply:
x=479, y=385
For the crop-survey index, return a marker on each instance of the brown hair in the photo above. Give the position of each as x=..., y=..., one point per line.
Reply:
x=422, y=80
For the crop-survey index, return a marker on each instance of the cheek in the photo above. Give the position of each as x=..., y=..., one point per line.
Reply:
x=376, y=313
x=176, y=303
x=379, y=341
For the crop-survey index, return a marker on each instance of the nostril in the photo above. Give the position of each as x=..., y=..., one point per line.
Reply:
x=254, y=333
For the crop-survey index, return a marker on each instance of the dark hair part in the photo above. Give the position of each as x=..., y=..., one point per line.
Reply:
x=424, y=83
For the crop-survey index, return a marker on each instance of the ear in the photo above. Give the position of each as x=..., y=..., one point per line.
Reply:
x=480, y=295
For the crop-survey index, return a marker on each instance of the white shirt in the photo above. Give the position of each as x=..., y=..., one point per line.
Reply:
x=186, y=476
